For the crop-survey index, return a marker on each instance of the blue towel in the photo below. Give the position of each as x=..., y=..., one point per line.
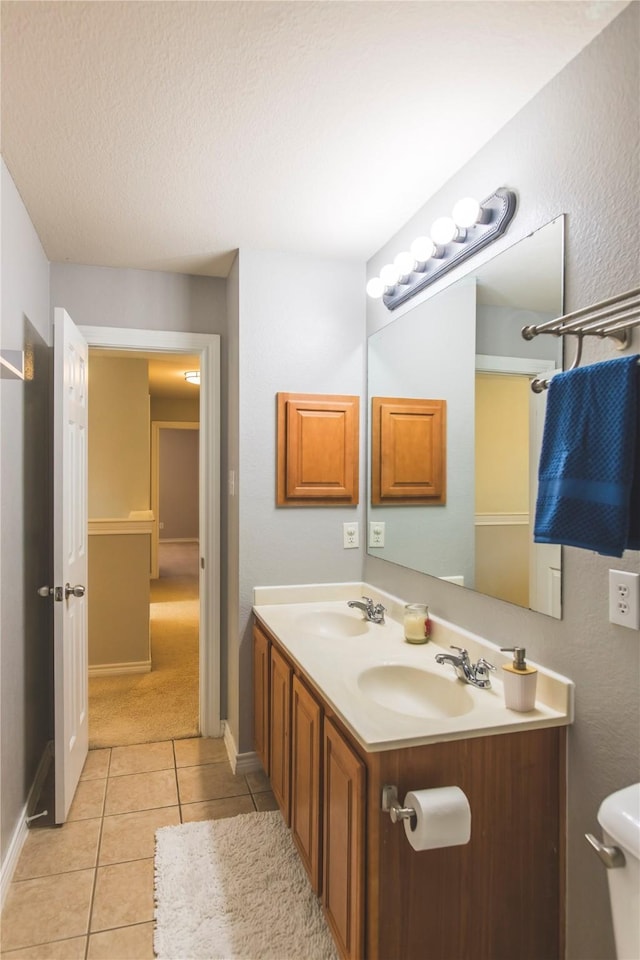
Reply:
x=589, y=475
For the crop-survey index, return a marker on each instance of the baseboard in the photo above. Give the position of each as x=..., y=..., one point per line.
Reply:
x=116, y=669
x=240, y=762
x=10, y=862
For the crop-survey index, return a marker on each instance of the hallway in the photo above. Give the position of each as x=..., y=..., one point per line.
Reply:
x=162, y=704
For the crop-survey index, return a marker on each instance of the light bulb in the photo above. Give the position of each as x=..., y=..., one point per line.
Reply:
x=422, y=248
x=467, y=212
x=389, y=275
x=375, y=288
x=405, y=263
x=443, y=230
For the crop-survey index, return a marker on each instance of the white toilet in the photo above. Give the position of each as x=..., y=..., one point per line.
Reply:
x=619, y=817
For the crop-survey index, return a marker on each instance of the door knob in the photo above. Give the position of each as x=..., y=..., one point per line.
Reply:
x=45, y=591
x=77, y=591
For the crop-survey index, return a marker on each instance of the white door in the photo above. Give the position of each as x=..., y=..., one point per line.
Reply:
x=69, y=559
x=545, y=559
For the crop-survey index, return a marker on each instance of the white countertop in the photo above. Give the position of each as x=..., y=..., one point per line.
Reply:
x=333, y=664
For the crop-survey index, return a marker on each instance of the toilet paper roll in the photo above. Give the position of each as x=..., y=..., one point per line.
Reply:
x=442, y=818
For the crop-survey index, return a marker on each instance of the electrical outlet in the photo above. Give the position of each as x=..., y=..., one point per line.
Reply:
x=350, y=535
x=624, y=598
x=376, y=533
x=161, y=525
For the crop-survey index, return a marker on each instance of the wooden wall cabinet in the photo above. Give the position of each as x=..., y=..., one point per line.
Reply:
x=261, y=724
x=408, y=451
x=318, y=450
x=498, y=897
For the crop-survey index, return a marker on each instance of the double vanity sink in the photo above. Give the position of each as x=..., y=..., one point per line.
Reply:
x=344, y=708
x=390, y=693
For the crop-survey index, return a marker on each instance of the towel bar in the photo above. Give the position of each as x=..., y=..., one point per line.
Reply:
x=613, y=318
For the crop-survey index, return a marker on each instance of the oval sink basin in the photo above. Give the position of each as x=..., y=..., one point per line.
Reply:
x=416, y=692
x=331, y=623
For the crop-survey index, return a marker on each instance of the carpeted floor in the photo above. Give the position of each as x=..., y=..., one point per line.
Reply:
x=235, y=889
x=162, y=704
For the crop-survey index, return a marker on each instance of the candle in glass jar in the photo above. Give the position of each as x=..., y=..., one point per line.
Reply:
x=416, y=623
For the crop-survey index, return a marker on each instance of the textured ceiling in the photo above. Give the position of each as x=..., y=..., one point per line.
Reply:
x=165, y=135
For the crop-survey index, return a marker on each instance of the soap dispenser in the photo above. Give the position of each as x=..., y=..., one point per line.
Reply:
x=519, y=681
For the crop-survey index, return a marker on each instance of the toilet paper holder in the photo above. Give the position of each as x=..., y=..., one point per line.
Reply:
x=392, y=806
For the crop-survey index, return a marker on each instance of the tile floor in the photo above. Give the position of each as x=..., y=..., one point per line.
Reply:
x=84, y=891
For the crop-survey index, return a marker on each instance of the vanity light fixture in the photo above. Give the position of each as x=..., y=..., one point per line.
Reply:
x=452, y=240
x=192, y=376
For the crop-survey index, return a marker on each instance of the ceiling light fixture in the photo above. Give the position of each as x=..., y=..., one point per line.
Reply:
x=192, y=376
x=453, y=239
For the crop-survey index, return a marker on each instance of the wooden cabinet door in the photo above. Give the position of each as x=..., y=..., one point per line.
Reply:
x=279, y=733
x=261, y=696
x=343, y=846
x=306, y=722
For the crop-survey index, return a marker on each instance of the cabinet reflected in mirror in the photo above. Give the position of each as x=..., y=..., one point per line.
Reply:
x=463, y=346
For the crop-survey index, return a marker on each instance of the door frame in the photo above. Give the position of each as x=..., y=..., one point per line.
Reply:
x=207, y=347
x=156, y=427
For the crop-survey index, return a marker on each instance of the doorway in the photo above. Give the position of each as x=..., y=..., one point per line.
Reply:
x=206, y=348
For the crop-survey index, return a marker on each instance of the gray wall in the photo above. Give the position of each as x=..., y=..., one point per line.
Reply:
x=179, y=484
x=440, y=539
x=301, y=330
x=25, y=558
x=574, y=148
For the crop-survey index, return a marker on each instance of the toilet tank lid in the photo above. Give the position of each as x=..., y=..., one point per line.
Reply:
x=619, y=815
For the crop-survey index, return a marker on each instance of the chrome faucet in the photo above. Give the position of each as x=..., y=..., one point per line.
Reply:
x=476, y=674
x=374, y=612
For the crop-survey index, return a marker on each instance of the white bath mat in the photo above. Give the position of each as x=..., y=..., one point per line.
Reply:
x=235, y=889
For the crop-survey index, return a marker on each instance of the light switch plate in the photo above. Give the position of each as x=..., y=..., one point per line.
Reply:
x=624, y=598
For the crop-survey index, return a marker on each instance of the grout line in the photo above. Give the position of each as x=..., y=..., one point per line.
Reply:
x=95, y=875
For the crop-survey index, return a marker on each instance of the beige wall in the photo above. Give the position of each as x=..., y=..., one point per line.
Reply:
x=118, y=591
x=185, y=410
x=502, y=436
x=119, y=457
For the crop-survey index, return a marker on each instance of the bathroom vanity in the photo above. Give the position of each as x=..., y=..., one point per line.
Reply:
x=339, y=712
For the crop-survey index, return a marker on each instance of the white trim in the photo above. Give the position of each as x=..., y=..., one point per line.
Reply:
x=119, y=669
x=12, y=365
x=178, y=540
x=16, y=844
x=120, y=527
x=207, y=345
x=241, y=763
x=527, y=366
x=501, y=519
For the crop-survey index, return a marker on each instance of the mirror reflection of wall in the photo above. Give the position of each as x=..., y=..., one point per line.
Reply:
x=464, y=346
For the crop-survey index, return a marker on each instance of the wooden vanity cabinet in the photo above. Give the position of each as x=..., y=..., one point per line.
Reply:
x=279, y=731
x=499, y=897
x=344, y=842
x=261, y=696
x=306, y=779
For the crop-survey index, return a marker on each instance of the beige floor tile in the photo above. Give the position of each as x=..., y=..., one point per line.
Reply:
x=125, y=943
x=59, y=850
x=141, y=758
x=124, y=895
x=198, y=750
x=265, y=801
x=59, y=950
x=216, y=809
x=258, y=781
x=131, y=836
x=141, y=791
x=88, y=801
x=96, y=765
x=210, y=782
x=46, y=909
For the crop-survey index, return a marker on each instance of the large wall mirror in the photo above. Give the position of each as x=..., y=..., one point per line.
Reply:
x=463, y=346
